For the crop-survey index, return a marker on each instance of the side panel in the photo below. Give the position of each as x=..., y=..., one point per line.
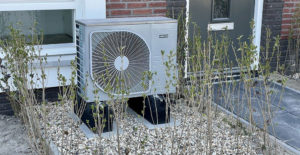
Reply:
x=164, y=38
x=80, y=43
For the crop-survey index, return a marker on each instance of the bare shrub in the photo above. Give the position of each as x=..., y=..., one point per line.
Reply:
x=211, y=78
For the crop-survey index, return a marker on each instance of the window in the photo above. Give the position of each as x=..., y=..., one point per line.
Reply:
x=55, y=18
x=221, y=10
x=56, y=25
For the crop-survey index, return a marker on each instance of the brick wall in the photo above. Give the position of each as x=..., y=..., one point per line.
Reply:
x=288, y=16
x=290, y=33
x=277, y=16
x=272, y=19
x=176, y=7
x=5, y=107
x=135, y=8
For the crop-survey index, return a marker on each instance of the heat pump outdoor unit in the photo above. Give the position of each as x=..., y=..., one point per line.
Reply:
x=113, y=56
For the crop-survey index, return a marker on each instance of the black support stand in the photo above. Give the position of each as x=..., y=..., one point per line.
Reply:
x=155, y=109
x=105, y=112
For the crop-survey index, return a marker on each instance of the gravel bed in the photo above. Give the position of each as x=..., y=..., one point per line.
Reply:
x=190, y=137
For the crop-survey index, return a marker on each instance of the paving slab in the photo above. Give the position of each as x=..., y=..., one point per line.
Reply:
x=281, y=113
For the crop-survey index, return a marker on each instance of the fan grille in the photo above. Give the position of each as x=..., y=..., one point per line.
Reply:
x=119, y=62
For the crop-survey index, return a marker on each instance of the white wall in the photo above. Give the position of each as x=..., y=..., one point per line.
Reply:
x=83, y=9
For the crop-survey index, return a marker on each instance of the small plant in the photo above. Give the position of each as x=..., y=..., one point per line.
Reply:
x=21, y=61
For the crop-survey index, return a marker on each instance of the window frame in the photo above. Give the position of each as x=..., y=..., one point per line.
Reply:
x=218, y=20
x=81, y=9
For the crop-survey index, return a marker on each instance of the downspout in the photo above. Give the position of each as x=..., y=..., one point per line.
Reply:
x=186, y=37
x=258, y=15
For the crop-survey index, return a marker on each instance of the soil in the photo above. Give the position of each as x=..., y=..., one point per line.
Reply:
x=13, y=137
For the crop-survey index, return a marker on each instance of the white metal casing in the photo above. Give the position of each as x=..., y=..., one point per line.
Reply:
x=150, y=29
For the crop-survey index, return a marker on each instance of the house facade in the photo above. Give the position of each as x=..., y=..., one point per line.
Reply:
x=58, y=16
x=56, y=19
